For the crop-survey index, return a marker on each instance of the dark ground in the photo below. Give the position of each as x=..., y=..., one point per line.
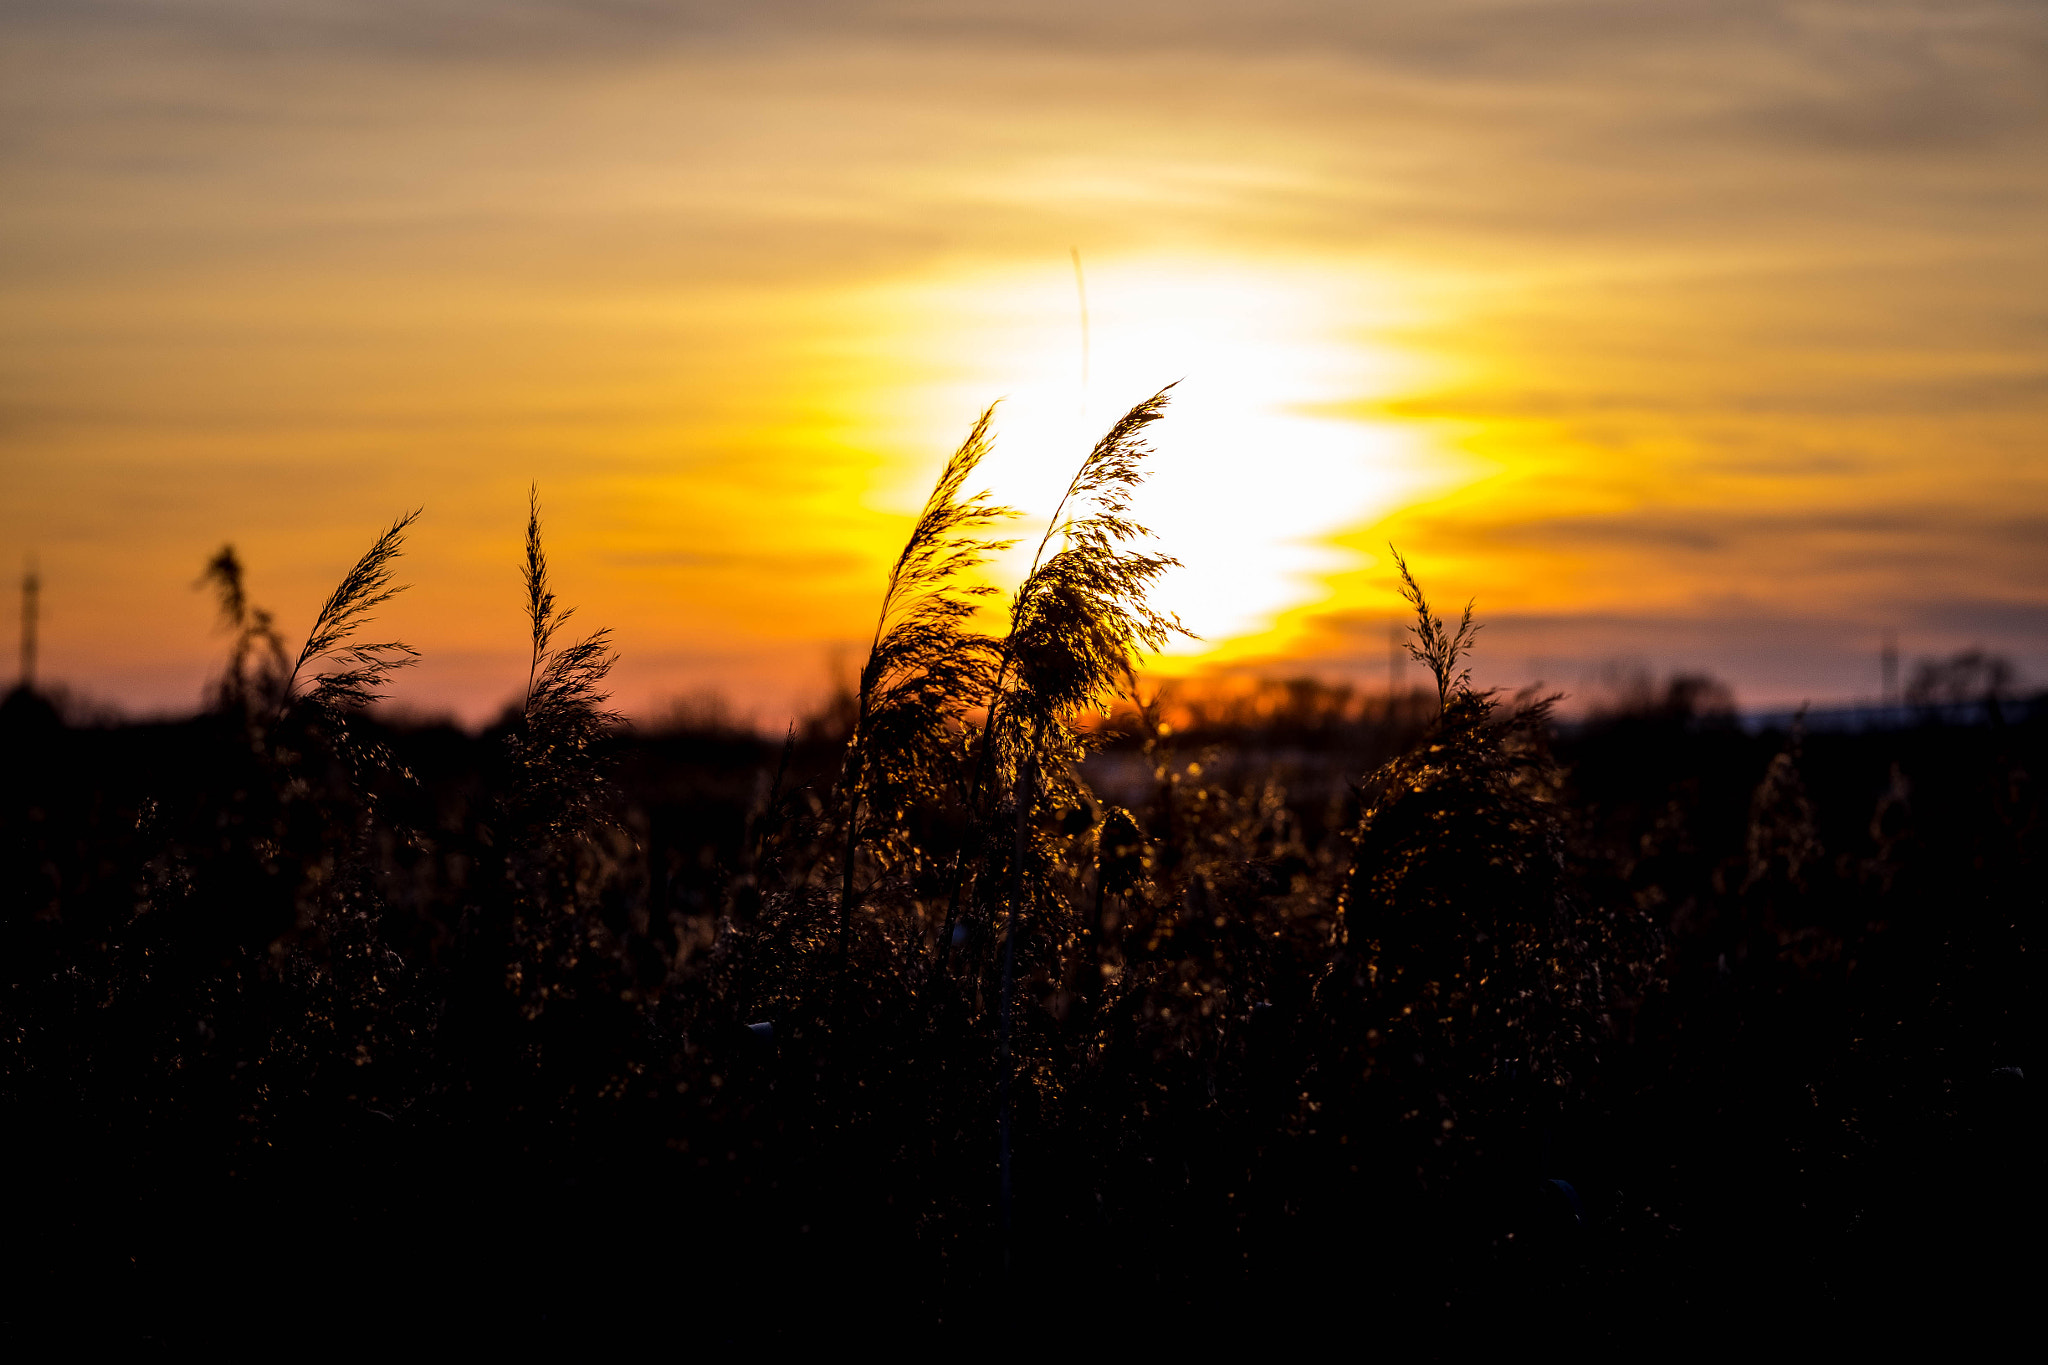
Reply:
x=301, y=1049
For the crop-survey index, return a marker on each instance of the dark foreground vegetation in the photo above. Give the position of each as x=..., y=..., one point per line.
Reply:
x=1396, y=1023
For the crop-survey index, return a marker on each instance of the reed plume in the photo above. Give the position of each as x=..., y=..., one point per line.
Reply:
x=255, y=638
x=563, y=717
x=925, y=667
x=358, y=670
x=1076, y=624
x=1080, y=617
x=1434, y=646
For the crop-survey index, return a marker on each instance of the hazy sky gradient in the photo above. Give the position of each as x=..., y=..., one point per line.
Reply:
x=1696, y=335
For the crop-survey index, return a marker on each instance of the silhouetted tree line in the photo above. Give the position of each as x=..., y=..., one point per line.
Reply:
x=1630, y=1036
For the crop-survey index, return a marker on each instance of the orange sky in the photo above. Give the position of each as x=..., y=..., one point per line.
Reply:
x=1706, y=335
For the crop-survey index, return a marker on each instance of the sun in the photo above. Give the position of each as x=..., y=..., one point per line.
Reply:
x=1252, y=478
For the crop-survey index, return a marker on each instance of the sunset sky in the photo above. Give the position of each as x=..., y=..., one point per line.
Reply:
x=1706, y=335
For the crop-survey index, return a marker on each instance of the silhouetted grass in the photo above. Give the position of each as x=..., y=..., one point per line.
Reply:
x=1000, y=1003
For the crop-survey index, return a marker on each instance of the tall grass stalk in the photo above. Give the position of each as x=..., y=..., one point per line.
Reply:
x=360, y=670
x=255, y=638
x=1435, y=647
x=1005, y=1079
x=1077, y=620
x=564, y=716
x=925, y=667
x=1076, y=624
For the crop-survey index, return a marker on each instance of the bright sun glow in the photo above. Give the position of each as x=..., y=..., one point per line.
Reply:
x=1249, y=482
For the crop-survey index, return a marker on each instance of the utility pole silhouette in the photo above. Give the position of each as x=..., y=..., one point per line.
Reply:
x=31, y=604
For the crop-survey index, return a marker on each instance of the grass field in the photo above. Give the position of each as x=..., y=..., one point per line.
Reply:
x=1009, y=1002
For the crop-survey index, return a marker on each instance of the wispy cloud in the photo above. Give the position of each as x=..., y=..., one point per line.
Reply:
x=1690, y=295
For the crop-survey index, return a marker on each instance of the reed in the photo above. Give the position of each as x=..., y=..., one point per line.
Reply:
x=253, y=682
x=1320, y=1055
x=1081, y=616
x=564, y=717
x=1077, y=622
x=1439, y=650
x=356, y=671
x=926, y=666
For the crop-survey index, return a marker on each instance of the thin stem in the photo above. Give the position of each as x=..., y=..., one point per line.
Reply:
x=855, y=771
x=1026, y=793
x=995, y=703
